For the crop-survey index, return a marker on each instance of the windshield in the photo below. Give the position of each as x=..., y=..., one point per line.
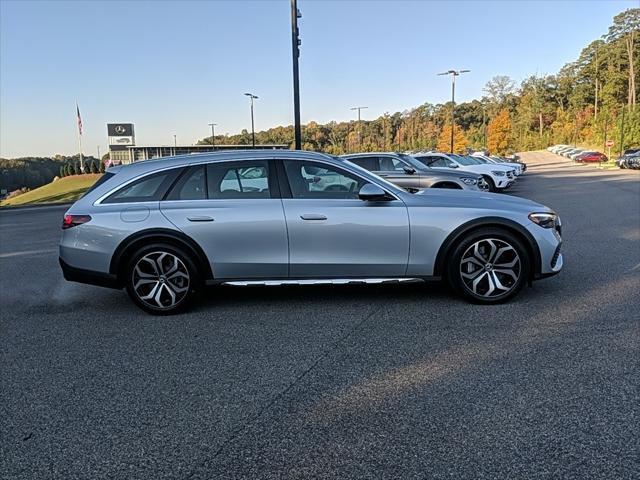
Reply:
x=412, y=160
x=466, y=161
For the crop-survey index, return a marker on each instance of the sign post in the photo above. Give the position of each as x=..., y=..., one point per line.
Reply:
x=609, y=144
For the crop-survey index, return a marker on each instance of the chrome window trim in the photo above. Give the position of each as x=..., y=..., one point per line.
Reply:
x=99, y=201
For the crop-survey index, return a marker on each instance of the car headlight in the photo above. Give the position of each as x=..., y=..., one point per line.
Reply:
x=545, y=220
x=498, y=173
x=468, y=181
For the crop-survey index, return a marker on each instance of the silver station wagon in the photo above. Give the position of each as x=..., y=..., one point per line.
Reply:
x=165, y=229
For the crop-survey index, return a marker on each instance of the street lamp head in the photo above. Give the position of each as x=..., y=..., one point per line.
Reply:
x=213, y=124
x=251, y=95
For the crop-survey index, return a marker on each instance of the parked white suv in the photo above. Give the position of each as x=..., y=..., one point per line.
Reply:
x=487, y=159
x=498, y=177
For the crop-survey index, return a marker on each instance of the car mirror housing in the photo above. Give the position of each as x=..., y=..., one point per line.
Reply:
x=409, y=170
x=371, y=192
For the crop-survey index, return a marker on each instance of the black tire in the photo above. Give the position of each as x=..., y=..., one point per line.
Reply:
x=490, y=182
x=185, y=289
x=485, y=237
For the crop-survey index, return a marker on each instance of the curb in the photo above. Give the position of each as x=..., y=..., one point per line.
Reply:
x=34, y=206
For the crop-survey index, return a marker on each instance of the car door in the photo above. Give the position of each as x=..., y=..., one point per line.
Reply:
x=233, y=211
x=334, y=234
x=398, y=172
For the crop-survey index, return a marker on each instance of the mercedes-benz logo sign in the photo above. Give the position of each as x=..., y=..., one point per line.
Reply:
x=119, y=129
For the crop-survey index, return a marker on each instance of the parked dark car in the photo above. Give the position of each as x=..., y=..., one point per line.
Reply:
x=629, y=158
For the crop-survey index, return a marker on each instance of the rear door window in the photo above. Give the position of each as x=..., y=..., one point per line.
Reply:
x=227, y=180
x=191, y=186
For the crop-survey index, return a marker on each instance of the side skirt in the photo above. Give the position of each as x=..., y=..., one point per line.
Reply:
x=320, y=281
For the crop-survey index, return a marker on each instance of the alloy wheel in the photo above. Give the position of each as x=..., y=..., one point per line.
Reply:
x=160, y=280
x=490, y=268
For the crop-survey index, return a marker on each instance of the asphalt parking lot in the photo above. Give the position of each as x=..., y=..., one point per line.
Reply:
x=395, y=381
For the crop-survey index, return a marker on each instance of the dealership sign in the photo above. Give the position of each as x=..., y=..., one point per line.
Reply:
x=121, y=134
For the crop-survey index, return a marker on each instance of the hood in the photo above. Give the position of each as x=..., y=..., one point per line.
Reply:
x=442, y=197
x=485, y=167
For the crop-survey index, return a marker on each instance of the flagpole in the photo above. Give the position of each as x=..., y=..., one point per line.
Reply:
x=80, y=137
x=80, y=146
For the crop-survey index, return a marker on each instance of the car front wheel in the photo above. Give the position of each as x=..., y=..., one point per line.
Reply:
x=162, y=279
x=489, y=266
x=491, y=184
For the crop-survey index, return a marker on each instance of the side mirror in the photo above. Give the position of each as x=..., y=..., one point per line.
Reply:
x=453, y=165
x=371, y=192
x=409, y=170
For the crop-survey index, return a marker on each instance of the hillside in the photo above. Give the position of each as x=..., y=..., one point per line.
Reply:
x=65, y=189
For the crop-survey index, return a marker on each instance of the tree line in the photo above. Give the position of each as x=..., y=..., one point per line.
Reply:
x=589, y=101
x=33, y=172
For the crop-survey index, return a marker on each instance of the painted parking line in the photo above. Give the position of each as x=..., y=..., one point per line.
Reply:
x=27, y=252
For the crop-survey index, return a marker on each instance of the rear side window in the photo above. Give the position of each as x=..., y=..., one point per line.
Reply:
x=150, y=188
x=105, y=176
x=237, y=181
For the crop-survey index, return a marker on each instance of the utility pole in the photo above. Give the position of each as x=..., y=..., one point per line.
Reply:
x=359, y=125
x=175, y=144
x=253, y=131
x=484, y=126
x=295, y=52
x=454, y=74
x=99, y=160
x=622, y=132
x=595, y=103
x=213, y=135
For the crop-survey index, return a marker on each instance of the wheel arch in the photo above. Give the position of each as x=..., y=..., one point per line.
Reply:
x=144, y=237
x=487, y=222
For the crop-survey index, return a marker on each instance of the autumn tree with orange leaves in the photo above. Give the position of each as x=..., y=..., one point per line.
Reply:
x=499, y=133
x=460, y=142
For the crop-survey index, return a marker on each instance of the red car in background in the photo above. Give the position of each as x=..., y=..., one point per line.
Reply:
x=591, y=157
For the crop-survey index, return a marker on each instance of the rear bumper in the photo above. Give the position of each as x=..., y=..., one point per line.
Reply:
x=101, y=279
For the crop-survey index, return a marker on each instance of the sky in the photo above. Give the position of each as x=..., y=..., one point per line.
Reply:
x=172, y=67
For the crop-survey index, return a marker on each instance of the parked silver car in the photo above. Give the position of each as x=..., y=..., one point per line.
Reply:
x=163, y=229
x=412, y=175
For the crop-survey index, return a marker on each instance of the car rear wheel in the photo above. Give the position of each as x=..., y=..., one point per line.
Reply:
x=489, y=266
x=162, y=279
x=491, y=184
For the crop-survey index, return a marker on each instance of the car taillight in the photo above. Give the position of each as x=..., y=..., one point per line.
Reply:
x=73, y=220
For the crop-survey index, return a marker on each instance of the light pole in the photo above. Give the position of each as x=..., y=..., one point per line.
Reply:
x=295, y=52
x=253, y=131
x=213, y=135
x=454, y=74
x=175, y=143
x=98, y=154
x=359, y=125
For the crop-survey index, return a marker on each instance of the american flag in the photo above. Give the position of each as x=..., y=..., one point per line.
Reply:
x=79, y=120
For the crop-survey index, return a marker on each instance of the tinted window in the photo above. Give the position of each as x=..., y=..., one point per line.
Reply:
x=317, y=180
x=190, y=186
x=147, y=189
x=233, y=180
x=368, y=163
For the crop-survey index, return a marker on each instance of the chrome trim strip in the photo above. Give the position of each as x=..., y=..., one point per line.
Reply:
x=321, y=281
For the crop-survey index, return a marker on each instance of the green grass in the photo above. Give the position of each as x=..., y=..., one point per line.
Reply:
x=65, y=189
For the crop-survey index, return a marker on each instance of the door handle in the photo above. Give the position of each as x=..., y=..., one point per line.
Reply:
x=202, y=218
x=313, y=216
